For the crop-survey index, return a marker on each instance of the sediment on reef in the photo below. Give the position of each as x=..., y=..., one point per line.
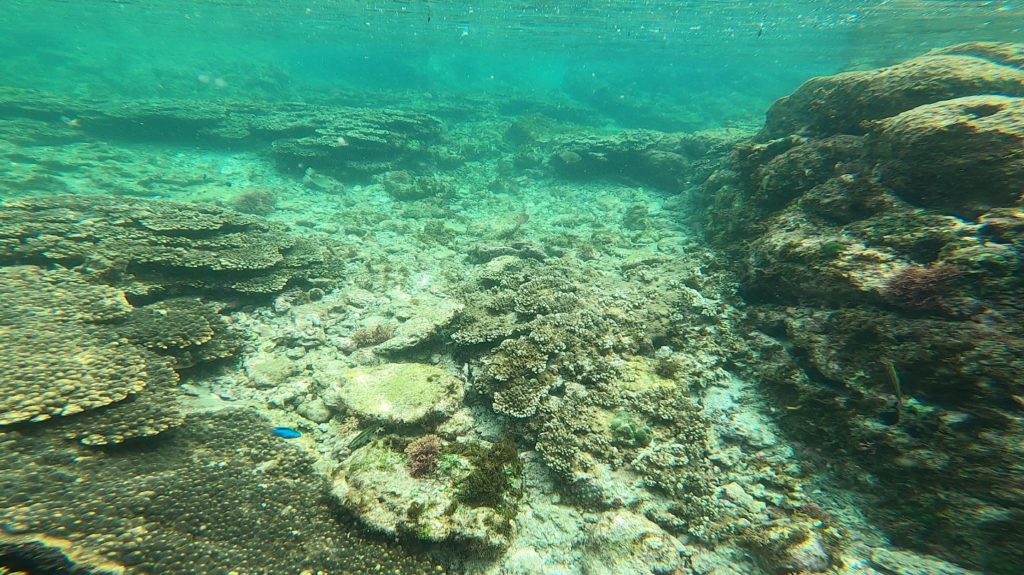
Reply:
x=877, y=226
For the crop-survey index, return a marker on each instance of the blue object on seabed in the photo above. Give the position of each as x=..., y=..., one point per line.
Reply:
x=286, y=432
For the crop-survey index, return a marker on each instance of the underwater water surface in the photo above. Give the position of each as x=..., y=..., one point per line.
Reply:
x=511, y=288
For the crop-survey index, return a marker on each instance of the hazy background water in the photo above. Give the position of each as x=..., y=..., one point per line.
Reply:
x=705, y=62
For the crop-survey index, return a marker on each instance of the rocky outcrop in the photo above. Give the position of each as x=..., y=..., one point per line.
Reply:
x=876, y=225
x=841, y=104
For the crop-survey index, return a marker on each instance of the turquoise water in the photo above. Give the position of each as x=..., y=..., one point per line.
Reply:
x=719, y=61
x=511, y=288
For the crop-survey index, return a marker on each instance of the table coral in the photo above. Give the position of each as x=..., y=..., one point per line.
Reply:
x=148, y=248
x=79, y=352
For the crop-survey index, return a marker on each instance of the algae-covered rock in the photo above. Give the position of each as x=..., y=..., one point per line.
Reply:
x=874, y=225
x=668, y=162
x=792, y=548
x=840, y=104
x=378, y=485
x=421, y=321
x=399, y=393
x=404, y=186
x=623, y=543
x=269, y=370
x=900, y=562
x=962, y=156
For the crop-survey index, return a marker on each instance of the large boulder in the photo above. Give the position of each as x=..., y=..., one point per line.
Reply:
x=876, y=227
x=962, y=156
x=840, y=104
x=397, y=393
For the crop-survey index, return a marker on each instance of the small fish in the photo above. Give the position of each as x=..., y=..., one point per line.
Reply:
x=286, y=433
x=365, y=436
x=71, y=122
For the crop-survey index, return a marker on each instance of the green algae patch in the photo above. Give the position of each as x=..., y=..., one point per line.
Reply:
x=400, y=393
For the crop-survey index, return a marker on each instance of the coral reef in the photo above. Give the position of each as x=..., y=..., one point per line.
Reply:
x=58, y=357
x=151, y=249
x=337, y=140
x=212, y=498
x=79, y=352
x=498, y=342
x=565, y=359
x=872, y=223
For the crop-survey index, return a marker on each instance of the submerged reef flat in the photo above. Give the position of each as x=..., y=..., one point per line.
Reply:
x=878, y=217
x=342, y=140
x=502, y=339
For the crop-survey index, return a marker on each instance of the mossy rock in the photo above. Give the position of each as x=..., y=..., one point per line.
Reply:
x=400, y=393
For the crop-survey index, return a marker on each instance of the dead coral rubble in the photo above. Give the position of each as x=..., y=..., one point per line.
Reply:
x=875, y=222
